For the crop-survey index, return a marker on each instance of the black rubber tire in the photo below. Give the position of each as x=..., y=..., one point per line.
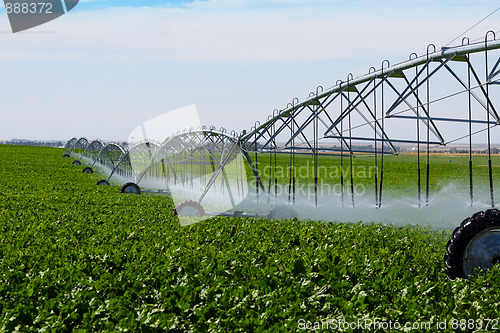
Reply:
x=76, y=162
x=65, y=155
x=281, y=213
x=103, y=182
x=189, y=208
x=462, y=237
x=131, y=188
x=87, y=170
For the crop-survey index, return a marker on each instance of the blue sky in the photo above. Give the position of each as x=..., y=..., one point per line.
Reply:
x=100, y=4
x=107, y=66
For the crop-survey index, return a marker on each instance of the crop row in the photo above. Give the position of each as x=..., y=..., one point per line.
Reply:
x=75, y=256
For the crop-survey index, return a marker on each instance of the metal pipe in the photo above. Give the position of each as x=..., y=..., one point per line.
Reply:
x=445, y=52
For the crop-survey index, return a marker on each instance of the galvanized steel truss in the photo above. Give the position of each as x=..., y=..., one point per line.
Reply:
x=363, y=109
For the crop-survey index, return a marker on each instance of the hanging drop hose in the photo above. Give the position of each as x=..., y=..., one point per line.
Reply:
x=471, y=184
x=290, y=169
x=418, y=138
x=242, y=172
x=428, y=169
x=270, y=175
x=375, y=142
x=383, y=141
x=256, y=166
x=275, y=176
x=293, y=166
x=351, y=153
x=315, y=129
x=342, y=153
x=490, y=170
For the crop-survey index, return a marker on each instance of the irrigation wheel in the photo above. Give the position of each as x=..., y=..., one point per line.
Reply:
x=475, y=243
x=87, y=170
x=76, y=162
x=103, y=182
x=281, y=213
x=189, y=208
x=65, y=155
x=131, y=188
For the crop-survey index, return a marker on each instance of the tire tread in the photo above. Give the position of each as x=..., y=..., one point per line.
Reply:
x=462, y=235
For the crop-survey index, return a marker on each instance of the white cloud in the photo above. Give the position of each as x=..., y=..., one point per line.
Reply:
x=222, y=30
x=236, y=60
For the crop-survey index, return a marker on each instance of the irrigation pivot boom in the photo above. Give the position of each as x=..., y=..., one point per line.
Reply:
x=426, y=95
x=375, y=107
x=442, y=98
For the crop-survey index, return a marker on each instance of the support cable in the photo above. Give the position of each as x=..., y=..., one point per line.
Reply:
x=473, y=26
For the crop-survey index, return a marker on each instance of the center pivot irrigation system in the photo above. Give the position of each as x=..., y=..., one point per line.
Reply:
x=446, y=96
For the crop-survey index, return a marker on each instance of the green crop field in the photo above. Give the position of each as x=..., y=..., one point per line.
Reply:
x=400, y=171
x=79, y=257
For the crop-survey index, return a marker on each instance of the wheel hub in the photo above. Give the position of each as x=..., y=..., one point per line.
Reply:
x=483, y=251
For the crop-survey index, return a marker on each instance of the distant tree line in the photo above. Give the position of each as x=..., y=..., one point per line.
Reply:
x=24, y=142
